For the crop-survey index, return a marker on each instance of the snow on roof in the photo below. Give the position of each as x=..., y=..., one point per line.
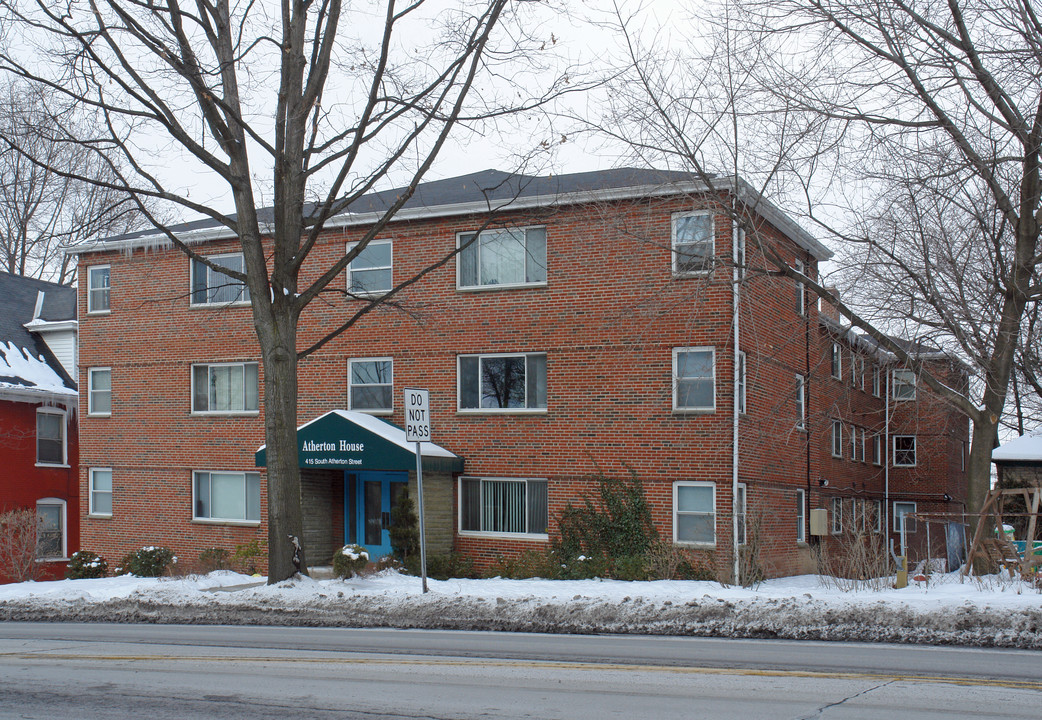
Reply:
x=22, y=371
x=1025, y=447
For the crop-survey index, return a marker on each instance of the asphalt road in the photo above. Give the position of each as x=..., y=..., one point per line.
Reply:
x=164, y=671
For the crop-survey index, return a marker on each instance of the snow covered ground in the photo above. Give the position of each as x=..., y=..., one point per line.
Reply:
x=993, y=611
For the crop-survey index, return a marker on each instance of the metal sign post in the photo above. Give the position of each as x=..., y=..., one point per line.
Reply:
x=417, y=430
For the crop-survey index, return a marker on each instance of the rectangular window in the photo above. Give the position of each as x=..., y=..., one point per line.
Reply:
x=857, y=511
x=99, y=391
x=837, y=516
x=228, y=496
x=904, y=385
x=694, y=379
x=499, y=505
x=801, y=514
x=213, y=287
x=877, y=519
x=904, y=450
x=900, y=510
x=837, y=439
x=101, y=491
x=857, y=371
x=837, y=361
x=739, y=258
x=740, y=511
x=369, y=274
x=853, y=443
x=98, y=289
x=50, y=529
x=801, y=402
x=877, y=449
x=876, y=381
x=225, y=388
x=694, y=513
x=502, y=382
x=502, y=258
x=50, y=437
x=863, y=445
x=692, y=241
x=741, y=382
x=801, y=288
x=371, y=384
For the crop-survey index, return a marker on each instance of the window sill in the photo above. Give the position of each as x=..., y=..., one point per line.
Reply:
x=52, y=560
x=694, y=411
x=388, y=411
x=233, y=523
x=501, y=411
x=98, y=313
x=99, y=415
x=504, y=535
x=52, y=465
x=234, y=413
x=515, y=286
x=93, y=516
x=684, y=275
x=218, y=306
x=695, y=545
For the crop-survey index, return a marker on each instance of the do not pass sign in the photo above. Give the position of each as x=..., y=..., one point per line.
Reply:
x=417, y=415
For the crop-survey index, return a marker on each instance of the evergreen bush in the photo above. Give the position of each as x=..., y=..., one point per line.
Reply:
x=84, y=565
x=349, y=561
x=147, y=562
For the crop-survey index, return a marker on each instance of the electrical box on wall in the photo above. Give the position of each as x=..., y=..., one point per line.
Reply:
x=819, y=521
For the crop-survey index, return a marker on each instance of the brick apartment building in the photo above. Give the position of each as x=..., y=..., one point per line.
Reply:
x=589, y=330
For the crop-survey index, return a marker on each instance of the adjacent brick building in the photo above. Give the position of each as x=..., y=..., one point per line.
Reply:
x=589, y=329
x=38, y=401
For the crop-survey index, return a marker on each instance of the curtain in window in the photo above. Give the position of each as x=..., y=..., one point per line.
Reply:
x=503, y=506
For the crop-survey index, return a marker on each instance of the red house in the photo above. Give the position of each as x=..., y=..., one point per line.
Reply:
x=38, y=414
x=611, y=323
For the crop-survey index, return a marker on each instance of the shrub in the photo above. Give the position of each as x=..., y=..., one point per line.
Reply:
x=405, y=529
x=214, y=558
x=246, y=556
x=529, y=564
x=147, y=562
x=350, y=560
x=443, y=566
x=18, y=545
x=84, y=564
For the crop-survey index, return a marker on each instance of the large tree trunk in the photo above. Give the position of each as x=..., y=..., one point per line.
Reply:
x=280, y=430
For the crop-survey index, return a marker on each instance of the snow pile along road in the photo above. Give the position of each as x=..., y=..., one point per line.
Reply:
x=988, y=612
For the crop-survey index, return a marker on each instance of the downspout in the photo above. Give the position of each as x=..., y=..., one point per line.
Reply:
x=886, y=455
x=736, y=236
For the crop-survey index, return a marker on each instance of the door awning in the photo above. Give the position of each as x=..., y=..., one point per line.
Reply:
x=348, y=440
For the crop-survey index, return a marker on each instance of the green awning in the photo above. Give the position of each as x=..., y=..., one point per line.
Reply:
x=347, y=440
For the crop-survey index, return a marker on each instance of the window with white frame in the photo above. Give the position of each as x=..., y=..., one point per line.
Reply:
x=877, y=449
x=225, y=388
x=853, y=443
x=837, y=516
x=100, y=492
x=801, y=288
x=903, y=385
x=801, y=402
x=857, y=515
x=503, y=505
x=740, y=511
x=98, y=289
x=226, y=496
x=502, y=382
x=837, y=439
x=50, y=437
x=837, y=361
x=502, y=258
x=742, y=385
x=857, y=371
x=694, y=379
x=371, y=384
x=51, y=541
x=876, y=381
x=863, y=445
x=877, y=519
x=99, y=391
x=904, y=451
x=693, y=243
x=369, y=274
x=213, y=287
x=740, y=259
x=694, y=513
x=900, y=510
x=801, y=515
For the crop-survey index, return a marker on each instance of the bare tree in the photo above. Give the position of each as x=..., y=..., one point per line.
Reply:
x=44, y=208
x=910, y=130
x=332, y=101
